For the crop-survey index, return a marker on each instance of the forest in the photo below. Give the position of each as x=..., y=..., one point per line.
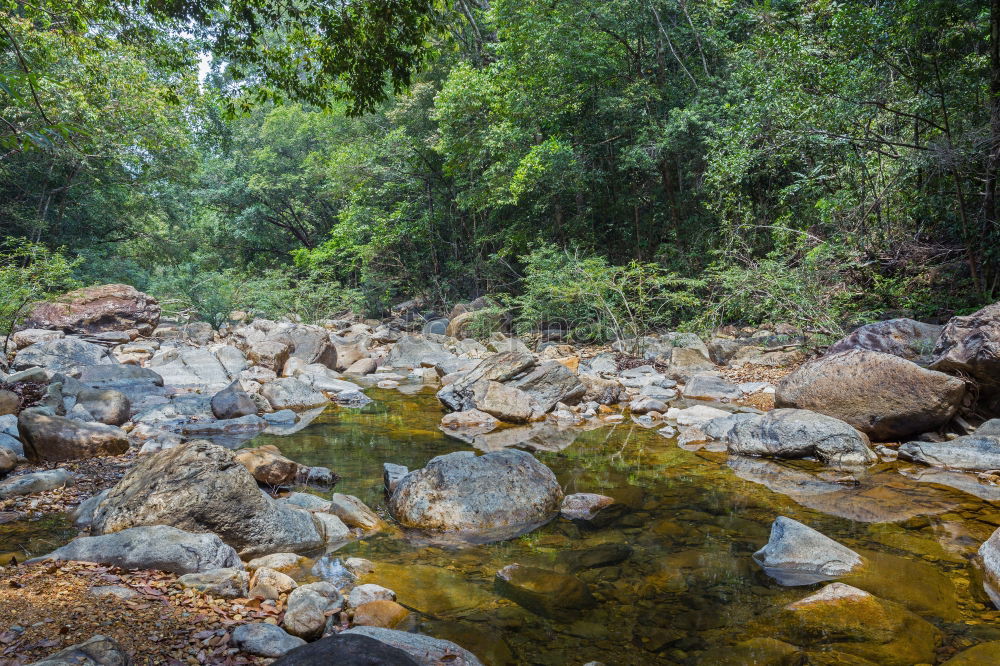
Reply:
x=691, y=162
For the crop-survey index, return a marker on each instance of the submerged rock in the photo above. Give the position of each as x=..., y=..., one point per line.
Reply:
x=155, y=547
x=502, y=490
x=797, y=433
x=796, y=554
x=544, y=592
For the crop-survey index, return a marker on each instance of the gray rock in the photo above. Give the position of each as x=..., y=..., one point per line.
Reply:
x=35, y=482
x=56, y=438
x=264, y=640
x=799, y=433
x=233, y=402
x=412, y=352
x=973, y=452
x=346, y=650
x=95, y=651
x=195, y=367
x=604, y=364
x=312, y=344
x=228, y=582
x=906, y=338
x=504, y=402
x=988, y=558
x=201, y=487
x=83, y=514
x=500, y=492
x=362, y=594
x=106, y=406
x=991, y=427
x=291, y=393
x=307, y=606
x=68, y=355
x=551, y=382
x=796, y=554
x=884, y=396
x=425, y=650
x=8, y=460
x=392, y=474
x=970, y=346
x=711, y=387
x=151, y=547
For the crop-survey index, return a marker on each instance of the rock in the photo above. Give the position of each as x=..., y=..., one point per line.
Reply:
x=971, y=452
x=984, y=654
x=264, y=640
x=68, y=356
x=96, y=651
x=55, y=438
x=796, y=554
x=412, y=352
x=120, y=592
x=551, y=382
x=501, y=343
x=306, y=608
x=268, y=466
x=109, y=307
x=353, y=512
x=229, y=582
x=135, y=382
x=711, y=387
x=30, y=336
x=276, y=561
x=35, y=482
x=9, y=402
x=988, y=559
x=8, y=460
x=758, y=651
x=392, y=474
x=268, y=583
x=505, y=403
x=698, y=415
x=359, y=566
x=601, y=391
x=460, y=394
x=332, y=527
x=232, y=402
x=460, y=491
x=472, y=421
x=588, y=508
x=312, y=344
x=970, y=346
x=347, y=649
x=906, y=338
x=290, y=393
x=547, y=593
x=604, y=555
x=194, y=367
x=647, y=405
x=105, y=405
x=883, y=396
x=687, y=362
x=381, y=613
x=424, y=650
x=270, y=353
x=845, y=619
x=991, y=427
x=363, y=366
x=151, y=547
x=201, y=487
x=796, y=433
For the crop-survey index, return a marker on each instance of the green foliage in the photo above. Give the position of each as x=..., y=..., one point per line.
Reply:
x=29, y=272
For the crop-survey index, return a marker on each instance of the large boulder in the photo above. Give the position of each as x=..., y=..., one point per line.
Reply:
x=109, y=307
x=67, y=355
x=292, y=393
x=233, y=402
x=202, y=487
x=883, y=396
x=347, y=649
x=268, y=466
x=502, y=491
x=55, y=438
x=95, y=651
x=424, y=650
x=312, y=344
x=973, y=452
x=413, y=351
x=906, y=338
x=796, y=554
x=794, y=433
x=193, y=367
x=551, y=382
x=106, y=406
x=151, y=547
x=970, y=346
x=459, y=396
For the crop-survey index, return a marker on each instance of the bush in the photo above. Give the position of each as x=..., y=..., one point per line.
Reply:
x=29, y=272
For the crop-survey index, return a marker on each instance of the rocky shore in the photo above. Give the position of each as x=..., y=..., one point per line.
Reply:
x=139, y=429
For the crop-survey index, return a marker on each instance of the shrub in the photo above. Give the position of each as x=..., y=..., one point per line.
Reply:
x=29, y=272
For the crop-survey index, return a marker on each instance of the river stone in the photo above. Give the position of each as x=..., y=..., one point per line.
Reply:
x=276, y=561
x=971, y=452
x=312, y=345
x=843, y=618
x=883, y=396
x=151, y=547
x=291, y=393
x=459, y=395
x=95, y=651
x=363, y=594
x=380, y=613
x=604, y=555
x=759, y=651
x=268, y=466
x=413, y=351
x=270, y=584
x=505, y=402
x=262, y=639
x=13, y=443
x=108, y=307
x=984, y=654
x=392, y=474
x=229, y=582
x=347, y=649
x=135, y=382
x=232, y=402
x=991, y=427
x=970, y=346
x=306, y=608
x=798, y=433
x=549, y=383
x=906, y=338
x=591, y=509
x=425, y=650
x=35, y=482
x=796, y=554
x=201, y=487
x=9, y=402
x=67, y=356
x=55, y=438
x=600, y=390
x=30, y=336
x=471, y=422
x=353, y=512
x=706, y=386
x=106, y=406
x=270, y=353
x=194, y=367
x=460, y=491
x=988, y=558
x=547, y=593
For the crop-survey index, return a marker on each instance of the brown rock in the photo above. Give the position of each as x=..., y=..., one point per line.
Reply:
x=55, y=438
x=109, y=307
x=9, y=402
x=970, y=346
x=267, y=465
x=884, y=396
x=271, y=354
x=382, y=613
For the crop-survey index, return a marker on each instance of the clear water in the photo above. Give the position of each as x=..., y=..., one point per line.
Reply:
x=690, y=587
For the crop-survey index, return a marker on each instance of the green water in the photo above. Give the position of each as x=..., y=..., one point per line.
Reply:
x=689, y=589
x=690, y=584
